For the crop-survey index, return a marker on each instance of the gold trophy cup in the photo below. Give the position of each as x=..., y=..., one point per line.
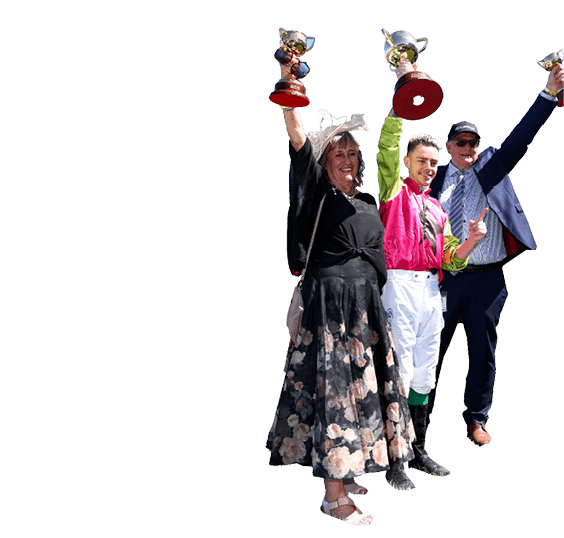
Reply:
x=289, y=91
x=414, y=86
x=548, y=63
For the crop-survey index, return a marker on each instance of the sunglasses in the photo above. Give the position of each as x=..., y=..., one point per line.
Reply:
x=299, y=69
x=462, y=143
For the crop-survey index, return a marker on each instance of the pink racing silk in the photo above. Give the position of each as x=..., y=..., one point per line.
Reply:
x=417, y=236
x=414, y=239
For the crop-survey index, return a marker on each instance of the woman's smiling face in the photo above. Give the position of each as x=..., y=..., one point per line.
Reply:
x=342, y=164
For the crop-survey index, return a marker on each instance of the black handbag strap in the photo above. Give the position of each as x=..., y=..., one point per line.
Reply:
x=312, y=237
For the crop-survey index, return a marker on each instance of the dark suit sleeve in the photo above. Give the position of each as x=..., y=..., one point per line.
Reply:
x=515, y=145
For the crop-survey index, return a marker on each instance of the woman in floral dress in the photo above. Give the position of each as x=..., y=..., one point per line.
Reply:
x=343, y=410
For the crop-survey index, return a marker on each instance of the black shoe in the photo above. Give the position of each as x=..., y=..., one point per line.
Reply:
x=422, y=461
x=397, y=478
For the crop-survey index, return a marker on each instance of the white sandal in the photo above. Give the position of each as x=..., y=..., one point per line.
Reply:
x=356, y=518
x=355, y=489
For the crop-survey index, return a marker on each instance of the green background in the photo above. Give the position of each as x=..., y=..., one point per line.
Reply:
x=144, y=271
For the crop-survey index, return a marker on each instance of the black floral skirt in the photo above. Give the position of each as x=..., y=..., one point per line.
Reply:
x=343, y=409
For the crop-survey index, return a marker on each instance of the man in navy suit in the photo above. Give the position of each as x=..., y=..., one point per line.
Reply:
x=476, y=295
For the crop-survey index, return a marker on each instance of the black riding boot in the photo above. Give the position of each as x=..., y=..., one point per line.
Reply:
x=422, y=461
x=397, y=478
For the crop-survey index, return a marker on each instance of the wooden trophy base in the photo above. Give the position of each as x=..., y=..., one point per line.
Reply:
x=289, y=93
x=413, y=85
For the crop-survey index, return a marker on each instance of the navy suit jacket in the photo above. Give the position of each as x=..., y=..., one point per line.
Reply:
x=492, y=170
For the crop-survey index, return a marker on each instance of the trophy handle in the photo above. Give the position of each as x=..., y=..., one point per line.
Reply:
x=309, y=43
x=388, y=37
x=425, y=45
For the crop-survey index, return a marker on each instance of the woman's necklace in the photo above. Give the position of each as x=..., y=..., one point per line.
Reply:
x=350, y=197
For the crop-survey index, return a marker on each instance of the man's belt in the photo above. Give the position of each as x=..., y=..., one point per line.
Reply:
x=484, y=268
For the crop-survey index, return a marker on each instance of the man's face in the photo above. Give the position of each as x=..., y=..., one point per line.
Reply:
x=462, y=154
x=422, y=164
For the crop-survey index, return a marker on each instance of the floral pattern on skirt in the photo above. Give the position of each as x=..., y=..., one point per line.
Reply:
x=343, y=409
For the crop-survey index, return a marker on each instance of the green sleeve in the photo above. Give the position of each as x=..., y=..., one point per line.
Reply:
x=451, y=262
x=389, y=159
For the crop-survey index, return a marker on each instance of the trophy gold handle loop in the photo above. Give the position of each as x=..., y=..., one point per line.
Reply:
x=388, y=37
x=310, y=41
x=425, y=45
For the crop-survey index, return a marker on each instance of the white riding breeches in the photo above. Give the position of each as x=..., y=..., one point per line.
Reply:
x=412, y=300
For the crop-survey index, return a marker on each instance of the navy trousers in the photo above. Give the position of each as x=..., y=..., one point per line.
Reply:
x=476, y=300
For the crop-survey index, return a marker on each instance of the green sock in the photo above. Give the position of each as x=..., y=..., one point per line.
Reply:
x=417, y=399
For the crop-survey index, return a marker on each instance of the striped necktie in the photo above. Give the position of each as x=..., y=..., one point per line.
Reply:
x=456, y=209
